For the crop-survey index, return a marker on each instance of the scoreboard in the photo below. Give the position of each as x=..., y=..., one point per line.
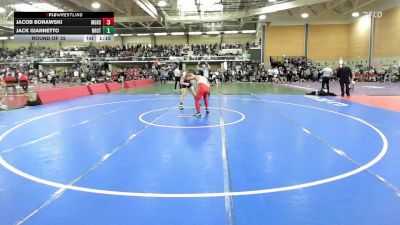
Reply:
x=64, y=26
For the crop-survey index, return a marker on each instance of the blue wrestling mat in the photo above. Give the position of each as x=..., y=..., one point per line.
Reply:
x=254, y=160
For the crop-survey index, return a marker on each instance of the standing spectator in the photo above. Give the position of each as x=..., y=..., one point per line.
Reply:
x=293, y=74
x=270, y=75
x=76, y=75
x=163, y=76
x=170, y=74
x=53, y=80
x=282, y=76
x=327, y=73
x=204, y=70
x=108, y=76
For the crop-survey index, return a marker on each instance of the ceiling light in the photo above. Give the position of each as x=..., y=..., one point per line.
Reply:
x=126, y=35
x=35, y=7
x=262, y=17
x=271, y=1
x=162, y=3
x=248, y=31
x=210, y=6
x=12, y=37
x=143, y=34
x=231, y=32
x=115, y=35
x=160, y=34
x=2, y=10
x=355, y=14
x=213, y=32
x=3, y=38
x=304, y=15
x=195, y=33
x=186, y=6
x=95, y=5
x=177, y=33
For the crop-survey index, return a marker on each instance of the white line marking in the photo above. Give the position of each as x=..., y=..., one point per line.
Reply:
x=184, y=116
x=59, y=131
x=132, y=137
x=373, y=87
x=242, y=117
x=225, y=165
x=61, y=191
x=299, y=87
x=381, y=178
x=340, y=152
x=105, y=157
x=18, y=122
x=53, y=197
x=86, y=121
x=326, y=100
x=343, y=154
x=305, y=130
x=199, y=195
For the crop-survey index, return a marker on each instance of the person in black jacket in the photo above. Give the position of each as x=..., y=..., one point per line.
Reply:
x=345, y=75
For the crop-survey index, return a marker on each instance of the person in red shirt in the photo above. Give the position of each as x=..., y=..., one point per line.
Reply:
x=10, y=82
x=114, y=76
x=136, y=73
x=23, y=82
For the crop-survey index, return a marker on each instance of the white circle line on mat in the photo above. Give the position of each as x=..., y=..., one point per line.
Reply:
x=242, y=117
x=381, y=154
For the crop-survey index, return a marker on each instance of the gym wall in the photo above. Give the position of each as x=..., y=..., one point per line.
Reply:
x=387, y=34
x=328, y=42
x=284, y=40
x=359, y=38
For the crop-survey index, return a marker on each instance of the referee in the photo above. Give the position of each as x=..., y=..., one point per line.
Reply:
x=177, y=76
x=345, y=75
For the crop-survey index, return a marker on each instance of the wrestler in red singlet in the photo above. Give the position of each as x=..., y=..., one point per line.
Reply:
x=203, y=89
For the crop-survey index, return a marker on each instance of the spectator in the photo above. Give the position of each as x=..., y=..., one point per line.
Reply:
x=327, y=74
x=10, y=83
x=23, y=81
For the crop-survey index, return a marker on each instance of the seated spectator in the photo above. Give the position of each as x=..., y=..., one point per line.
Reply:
x=10, y=82
x=23, y=81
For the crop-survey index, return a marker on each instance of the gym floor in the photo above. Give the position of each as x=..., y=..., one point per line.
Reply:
x=270, y=155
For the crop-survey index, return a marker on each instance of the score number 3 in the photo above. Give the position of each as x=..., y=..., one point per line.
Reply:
x=108, y=21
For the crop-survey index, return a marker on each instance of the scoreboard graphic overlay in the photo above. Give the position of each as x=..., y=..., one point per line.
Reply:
x=64, y=26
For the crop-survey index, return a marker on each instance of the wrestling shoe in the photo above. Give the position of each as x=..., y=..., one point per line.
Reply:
x=207, y=111
x=180, y=106
x=197, y=114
